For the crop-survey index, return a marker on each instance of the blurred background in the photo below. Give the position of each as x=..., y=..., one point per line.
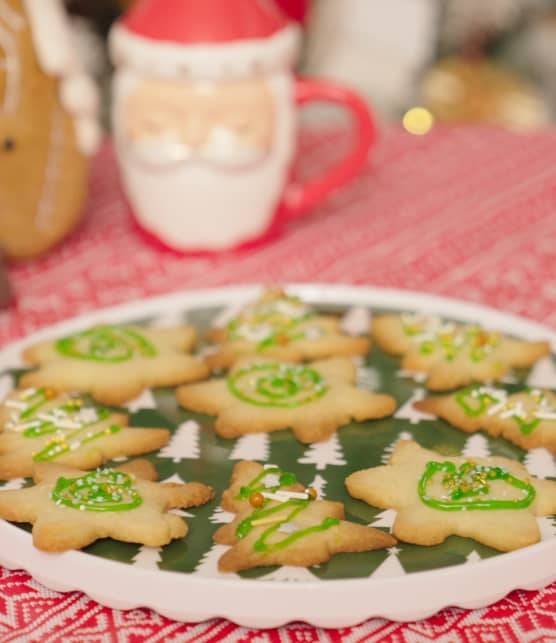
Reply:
x=457, y=61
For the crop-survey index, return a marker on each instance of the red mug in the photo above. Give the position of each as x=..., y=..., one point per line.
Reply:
x=205, y=121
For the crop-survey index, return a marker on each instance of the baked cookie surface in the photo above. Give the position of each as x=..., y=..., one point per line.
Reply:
x=279, y=522
x=492, y=500
x=282, y=326
x=526, y=418
x=115, y=363
x=262, y=395
x=41, y=425
x=70, y=509
x=452, y=355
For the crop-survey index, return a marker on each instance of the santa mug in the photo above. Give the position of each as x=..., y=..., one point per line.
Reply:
x=204, y=118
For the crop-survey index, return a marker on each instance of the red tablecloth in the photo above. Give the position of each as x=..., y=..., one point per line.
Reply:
x=468, y=213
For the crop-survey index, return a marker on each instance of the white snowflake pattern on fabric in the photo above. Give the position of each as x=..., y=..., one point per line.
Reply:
x=324, y=454
x=184, y=444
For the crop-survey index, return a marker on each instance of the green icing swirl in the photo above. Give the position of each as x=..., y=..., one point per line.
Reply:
x=277, y=385
x=465, y=486
x=102, y=490
x=110, y=344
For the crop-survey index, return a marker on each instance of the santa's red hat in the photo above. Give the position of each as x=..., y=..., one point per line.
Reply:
x=204, y=38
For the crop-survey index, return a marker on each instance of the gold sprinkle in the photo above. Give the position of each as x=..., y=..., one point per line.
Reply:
x=418, y=121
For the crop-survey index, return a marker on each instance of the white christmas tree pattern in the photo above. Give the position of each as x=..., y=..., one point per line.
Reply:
x=547, y=527
x=222, y=517
x=208, y=565
x=184, y=444
x=252, y=447
x=170, y=320
x=476, y=446
x=404, y=435
x=410, y=413
x=147, y=557
x=291, y=574
x=473, y=557
x=540, y=463
x=6, y=386
x=144, y=401
x=177, y=479
x=391, y=566
x=416, y=377
x=384, y=519
x=368, y=378
x=319, y=485
x=543, y=374
x=229, y=313
x=357, y=321
x=16, y=483
x=324, y=454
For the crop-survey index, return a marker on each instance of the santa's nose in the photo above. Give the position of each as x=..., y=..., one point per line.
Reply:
x=195, y=130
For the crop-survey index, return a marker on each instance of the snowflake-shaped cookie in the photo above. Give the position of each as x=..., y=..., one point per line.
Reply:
x=282, y=326
x=279, y=522
x=452, y=355
x=114, y=363
x=41, y=425
x=70, y=509
x=492, y=500
x=260, y=396
x=526, y=418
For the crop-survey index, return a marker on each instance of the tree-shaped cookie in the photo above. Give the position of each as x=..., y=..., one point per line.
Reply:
x=526, y=418
x=492, y=500
x=114, y=363
x=452, y=355
x=41, y=425
x=261, y=395
x=282, y=326
x=279, y=522
x=70, y=509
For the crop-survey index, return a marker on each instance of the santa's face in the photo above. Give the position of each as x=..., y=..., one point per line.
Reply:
x=228, y=125
x=204, y=164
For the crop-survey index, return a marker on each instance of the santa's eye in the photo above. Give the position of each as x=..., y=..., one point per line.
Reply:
x=8, y=144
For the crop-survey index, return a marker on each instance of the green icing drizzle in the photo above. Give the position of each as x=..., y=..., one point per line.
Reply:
x=257, y=484
x=111, y=344
x=474, y=402
x=102, y=490
x=465, y=486
x=58, y=446
x=291, y=507
x=35, y=401
x=277, y=385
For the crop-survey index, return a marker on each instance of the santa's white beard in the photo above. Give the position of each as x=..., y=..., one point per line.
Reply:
x=196, y=205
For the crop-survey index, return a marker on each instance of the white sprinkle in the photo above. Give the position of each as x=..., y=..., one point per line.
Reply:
x=14, y=404
x=288, y=528
x=270, y=466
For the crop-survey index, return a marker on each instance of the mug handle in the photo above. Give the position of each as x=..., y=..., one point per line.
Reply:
x=299, y=198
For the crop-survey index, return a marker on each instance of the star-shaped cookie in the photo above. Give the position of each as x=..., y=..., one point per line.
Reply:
x=261, y=395
x=282, y=326
x=114, y=363
x=41, y=425
x=70, y=509
x=452, y=355
x=526, y=418
x=492, y=500
x=279, y=522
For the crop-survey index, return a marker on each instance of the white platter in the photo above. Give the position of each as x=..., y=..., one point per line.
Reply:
x=262, y=603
